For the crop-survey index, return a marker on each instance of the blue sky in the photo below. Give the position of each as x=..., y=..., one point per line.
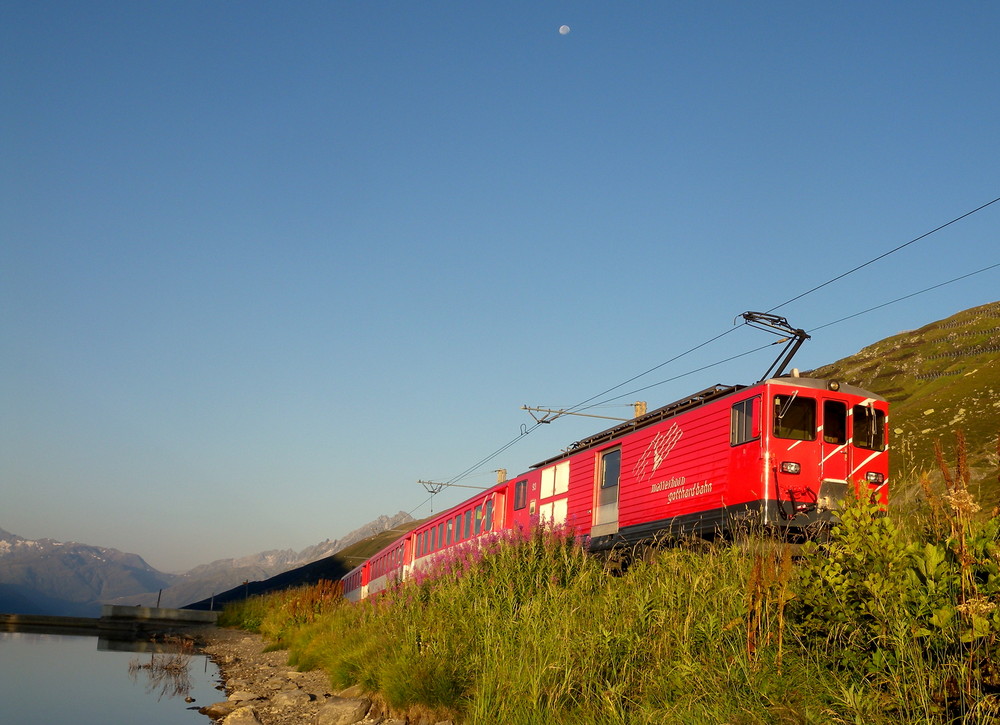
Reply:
x=265, y=265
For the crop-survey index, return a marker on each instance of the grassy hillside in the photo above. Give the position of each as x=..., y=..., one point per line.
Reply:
x=942, y=377
x=882, y=625
x=357, y=553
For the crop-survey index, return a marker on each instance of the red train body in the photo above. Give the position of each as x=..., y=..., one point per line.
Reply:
x=778, y=454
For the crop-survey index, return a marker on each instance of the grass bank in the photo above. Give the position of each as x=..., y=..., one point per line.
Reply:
x=883, y=624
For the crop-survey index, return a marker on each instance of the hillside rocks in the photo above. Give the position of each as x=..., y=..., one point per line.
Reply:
x=343, y=711
x=261, y=683
x=263, y=690
x=242, y=716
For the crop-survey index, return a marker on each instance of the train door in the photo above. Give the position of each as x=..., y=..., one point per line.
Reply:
x=499, y=511
x=834, y=451
x=520, y=512
x=606, y=493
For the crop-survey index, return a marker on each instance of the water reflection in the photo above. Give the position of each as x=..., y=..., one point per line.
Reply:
x=168, y=673
x=48, y=678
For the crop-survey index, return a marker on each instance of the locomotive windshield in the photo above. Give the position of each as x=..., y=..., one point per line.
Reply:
x=795, y=417
x=869, y=428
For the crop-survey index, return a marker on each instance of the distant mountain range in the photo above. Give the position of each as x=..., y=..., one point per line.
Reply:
x=69, y=579
x=330, y=568
x=52, y=577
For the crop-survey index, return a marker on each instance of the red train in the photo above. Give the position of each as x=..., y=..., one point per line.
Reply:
x=779, y=453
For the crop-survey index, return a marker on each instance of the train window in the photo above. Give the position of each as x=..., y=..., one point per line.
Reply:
x=744, y=423
x=611, y=463
x=451, y=525
x=488, y=521
x=795, y=417
x=520, y=495
x=834, y=422
x=869, y=428
x=479, y=520
x=468, y=523
x=441, y=535
x=458, y=528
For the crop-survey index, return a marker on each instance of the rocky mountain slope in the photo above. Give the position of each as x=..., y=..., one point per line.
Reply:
x=224, y=574
x=45, y=576
x=330, y=568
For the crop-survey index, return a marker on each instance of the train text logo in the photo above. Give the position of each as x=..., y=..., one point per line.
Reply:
x=656, y=452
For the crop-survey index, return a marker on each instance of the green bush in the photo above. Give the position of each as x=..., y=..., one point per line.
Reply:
x=917, y=617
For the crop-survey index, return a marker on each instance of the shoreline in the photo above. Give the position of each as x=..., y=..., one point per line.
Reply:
x=261, y=688
x=259, y=680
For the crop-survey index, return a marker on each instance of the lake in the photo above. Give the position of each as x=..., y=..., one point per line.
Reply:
x=60, y=678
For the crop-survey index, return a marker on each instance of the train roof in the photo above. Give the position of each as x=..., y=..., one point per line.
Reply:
x=447, y=513
x=654, y=416
x=693, y=401
x=824, y=384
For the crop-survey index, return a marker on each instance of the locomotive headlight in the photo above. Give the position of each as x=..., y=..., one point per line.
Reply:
x=874, y=477
x=790, y=467
x=834, y=385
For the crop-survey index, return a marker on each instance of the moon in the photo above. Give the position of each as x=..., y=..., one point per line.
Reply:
x=564, y=30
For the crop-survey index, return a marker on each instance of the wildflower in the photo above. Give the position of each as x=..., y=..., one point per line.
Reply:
x=962, y=503
x=977, y=607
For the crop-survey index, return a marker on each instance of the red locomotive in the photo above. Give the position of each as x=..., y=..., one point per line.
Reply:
x=780, y=454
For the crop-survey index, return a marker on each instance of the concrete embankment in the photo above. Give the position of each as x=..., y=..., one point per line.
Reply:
x=113, y=620
x=40, y=623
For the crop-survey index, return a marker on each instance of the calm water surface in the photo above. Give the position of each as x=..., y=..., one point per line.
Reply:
x=57, y=678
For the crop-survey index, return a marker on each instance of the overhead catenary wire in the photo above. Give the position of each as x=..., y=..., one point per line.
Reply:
x=904, y=297
x=812, y=329
x=579, y=406
x=475, y=466
x=685, y=374
x=582, y=405
x=884, y=255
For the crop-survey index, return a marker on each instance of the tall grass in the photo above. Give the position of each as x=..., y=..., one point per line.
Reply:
x=881, y=625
